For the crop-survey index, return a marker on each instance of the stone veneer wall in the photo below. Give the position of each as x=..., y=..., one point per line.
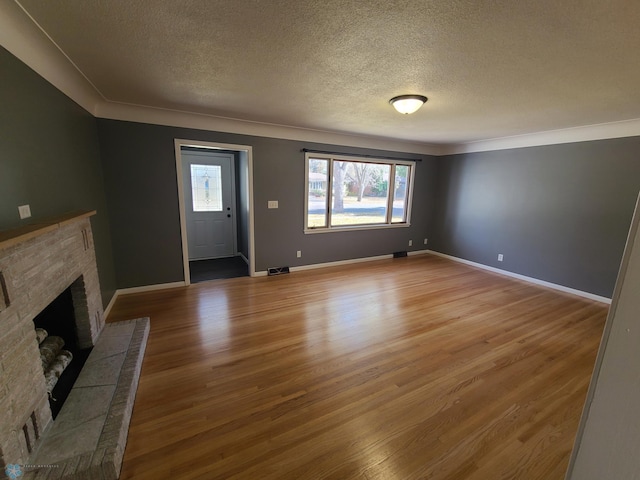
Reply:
x=34, y=269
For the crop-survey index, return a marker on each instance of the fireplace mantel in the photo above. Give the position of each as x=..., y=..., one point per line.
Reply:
x=14, y=236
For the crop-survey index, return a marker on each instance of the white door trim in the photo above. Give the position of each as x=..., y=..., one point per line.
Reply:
x=178, y=144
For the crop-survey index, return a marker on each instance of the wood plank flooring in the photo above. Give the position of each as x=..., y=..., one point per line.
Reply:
x=411, y=368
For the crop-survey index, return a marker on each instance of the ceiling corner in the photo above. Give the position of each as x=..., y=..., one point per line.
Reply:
x=23, y=38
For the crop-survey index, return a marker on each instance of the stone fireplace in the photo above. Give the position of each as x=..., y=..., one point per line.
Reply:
x=38, y=263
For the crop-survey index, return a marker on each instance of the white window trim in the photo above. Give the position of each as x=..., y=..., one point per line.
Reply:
x=347, y=158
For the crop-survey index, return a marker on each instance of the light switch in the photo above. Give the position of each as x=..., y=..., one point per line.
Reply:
x=24, y=211
x=272, y=204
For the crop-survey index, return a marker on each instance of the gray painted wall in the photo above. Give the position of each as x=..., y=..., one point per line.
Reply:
x=558, y=213
x=49, y=158
x=140, y=181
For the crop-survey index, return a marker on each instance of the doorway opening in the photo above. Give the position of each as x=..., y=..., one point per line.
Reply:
x=215, y=189
x=218, y=268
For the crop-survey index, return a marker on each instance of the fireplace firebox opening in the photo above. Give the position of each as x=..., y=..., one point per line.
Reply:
x=60, y=351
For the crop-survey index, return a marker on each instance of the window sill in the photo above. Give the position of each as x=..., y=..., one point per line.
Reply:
x=349, y=228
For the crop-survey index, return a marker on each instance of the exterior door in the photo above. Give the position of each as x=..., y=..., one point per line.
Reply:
x=208, y=181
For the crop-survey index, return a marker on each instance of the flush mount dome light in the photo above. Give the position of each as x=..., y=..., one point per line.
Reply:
x=408, y=103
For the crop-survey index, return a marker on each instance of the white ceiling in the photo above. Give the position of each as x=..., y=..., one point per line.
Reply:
x=491, y=69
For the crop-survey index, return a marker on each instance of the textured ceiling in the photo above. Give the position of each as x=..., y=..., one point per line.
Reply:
x=490, y=68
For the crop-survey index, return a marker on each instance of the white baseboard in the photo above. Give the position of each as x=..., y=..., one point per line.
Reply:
x=144, y=288
x=107, y=310
x=150, y=288
x=338, y=262
x=163, y=286
x=535, y=281
x=343, y=262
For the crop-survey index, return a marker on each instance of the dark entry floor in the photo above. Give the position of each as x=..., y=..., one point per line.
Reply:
x=231, y=267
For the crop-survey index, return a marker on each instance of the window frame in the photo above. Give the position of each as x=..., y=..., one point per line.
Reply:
x=329, y=188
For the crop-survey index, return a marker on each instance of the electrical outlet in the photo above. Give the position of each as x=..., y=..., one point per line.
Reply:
x=272, y=204
x=299, y=253
x=410, y=242
x=500, y=257
x=24, y=211
x=425, y=241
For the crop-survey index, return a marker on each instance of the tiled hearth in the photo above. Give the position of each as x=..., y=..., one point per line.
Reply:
x=37, y=263
x=88, y=437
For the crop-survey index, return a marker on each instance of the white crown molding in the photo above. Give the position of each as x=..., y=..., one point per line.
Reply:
x=602, y=131
x=25, y=39
x=176, y=118
x=21, y=36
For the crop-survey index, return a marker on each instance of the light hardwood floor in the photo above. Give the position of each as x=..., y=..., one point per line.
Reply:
x=412, y=368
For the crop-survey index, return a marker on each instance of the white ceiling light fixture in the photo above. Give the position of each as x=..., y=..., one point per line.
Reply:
x=408, y=103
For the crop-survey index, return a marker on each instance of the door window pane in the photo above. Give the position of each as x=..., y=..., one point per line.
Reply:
x=206, y=188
